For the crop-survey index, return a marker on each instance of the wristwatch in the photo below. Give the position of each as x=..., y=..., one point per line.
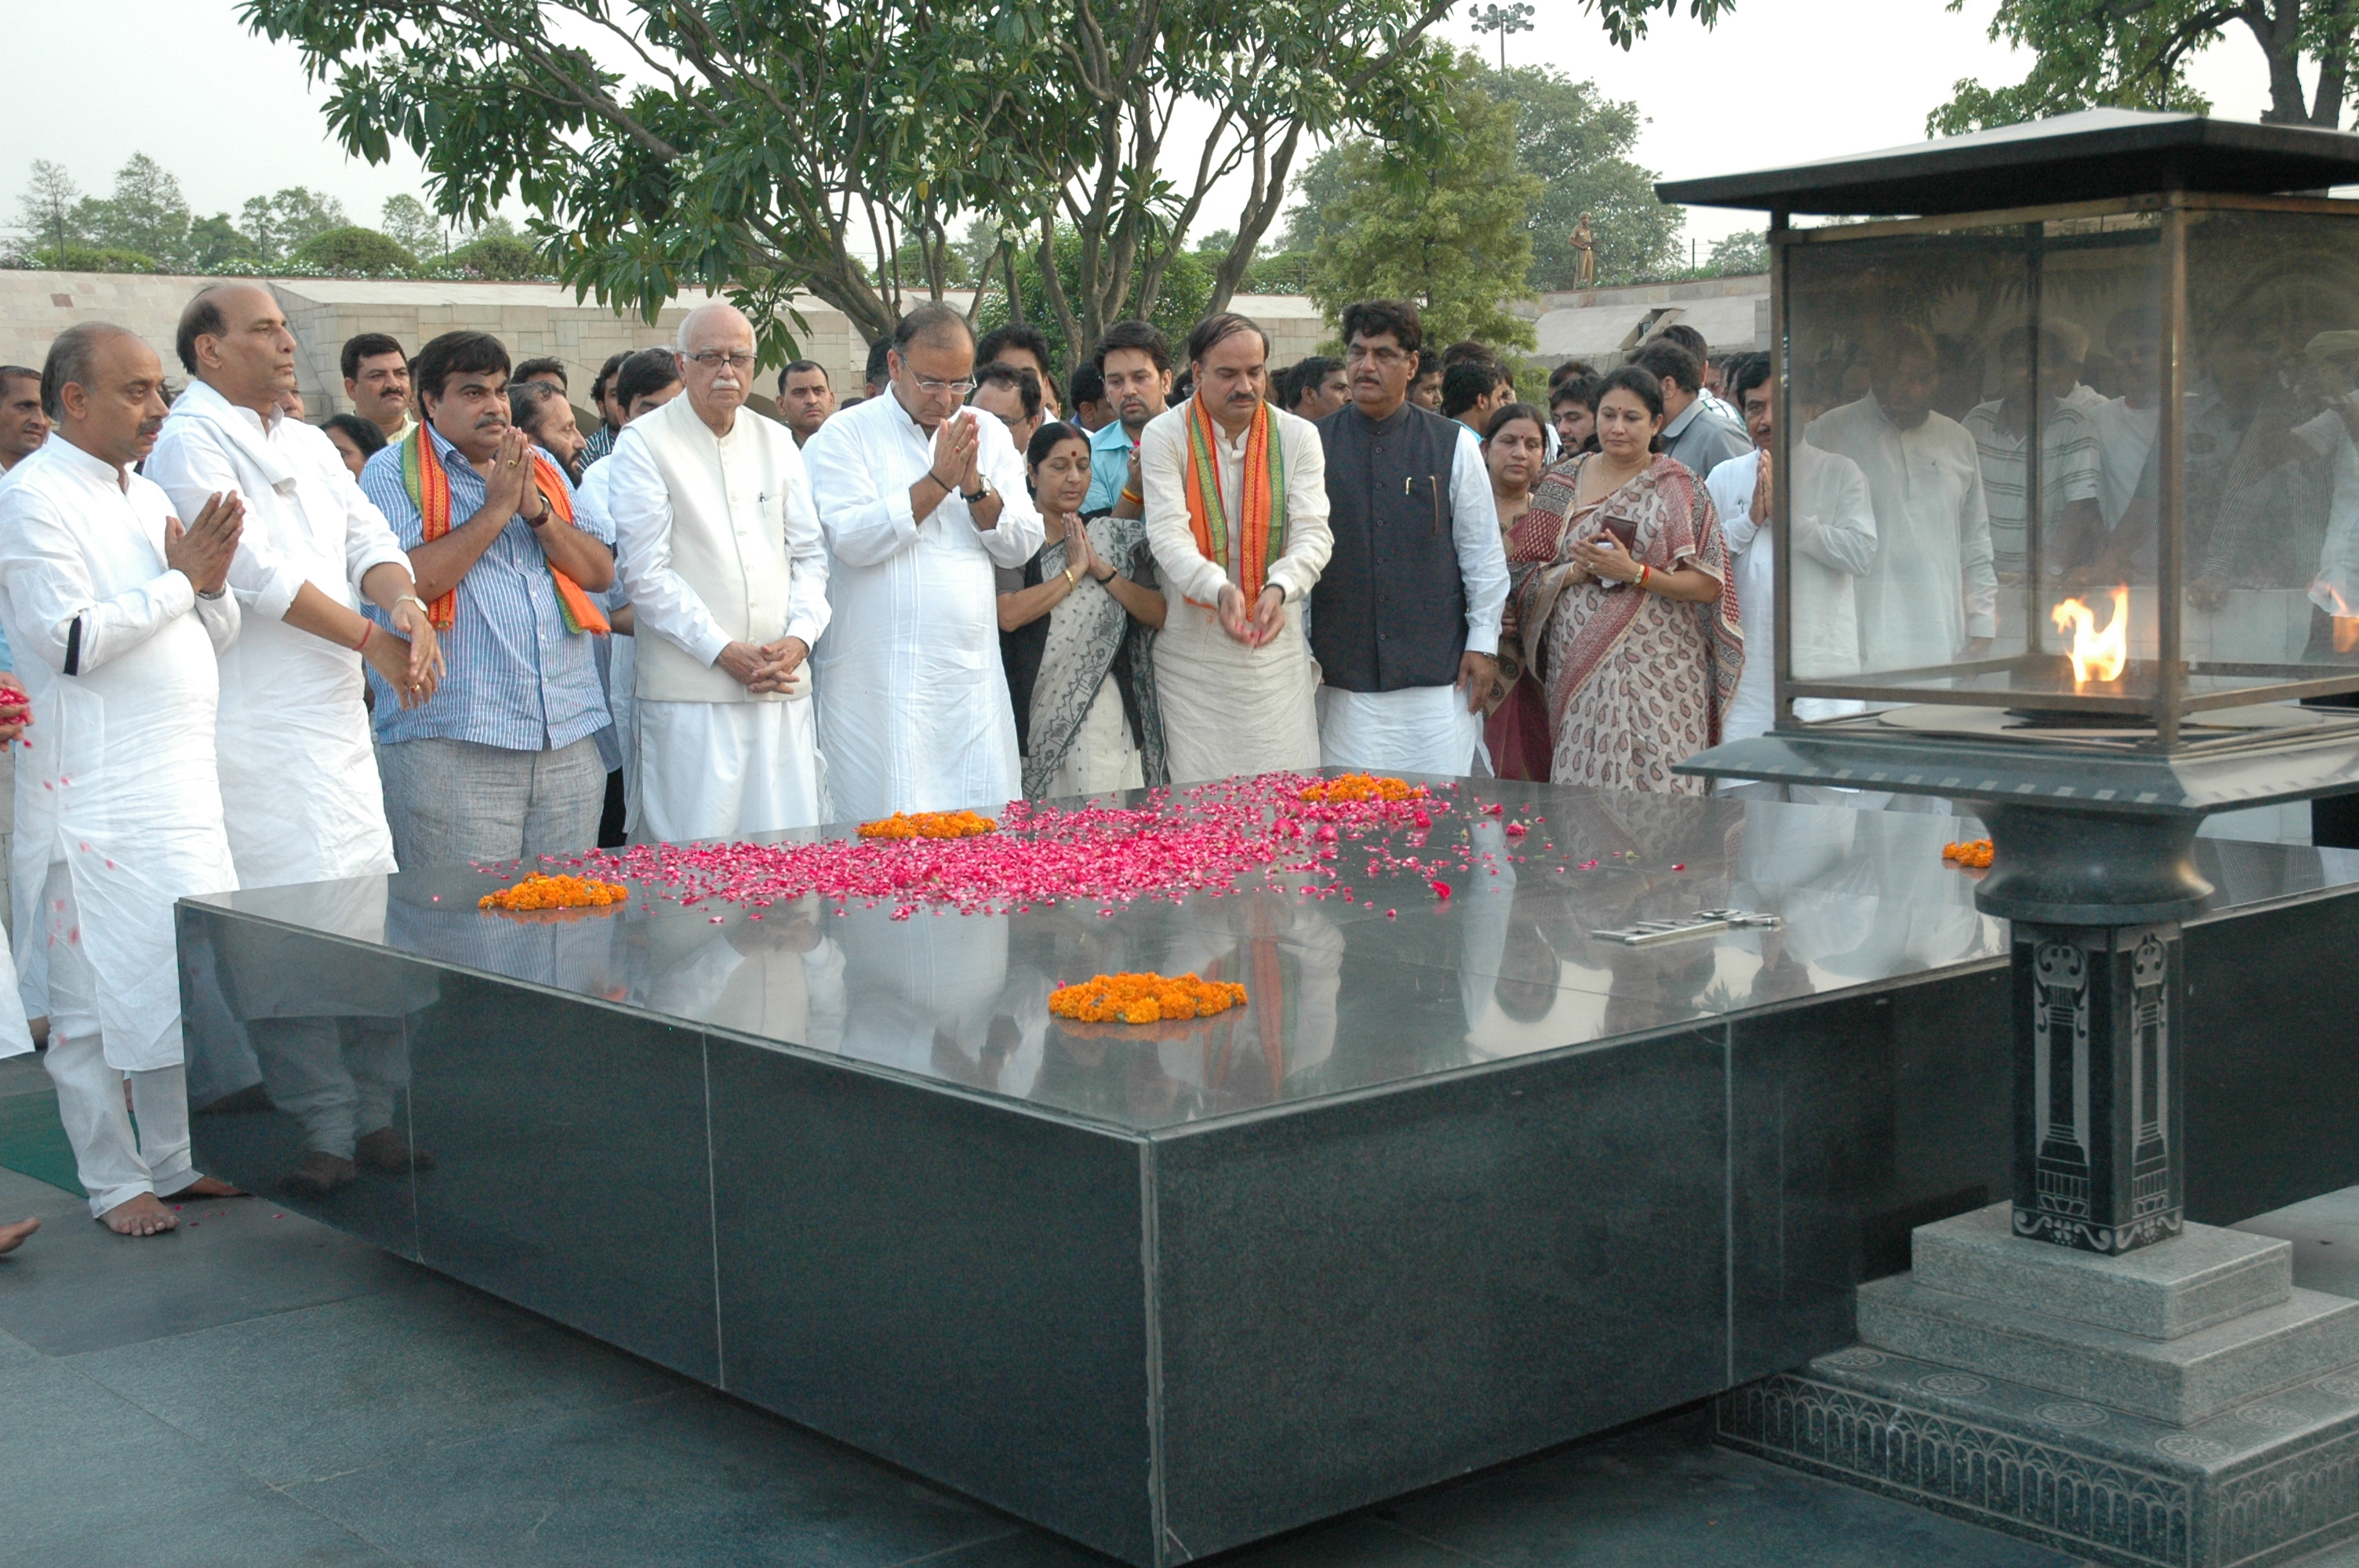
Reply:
x=423, y=608
x=547, y=512
x=978, y=496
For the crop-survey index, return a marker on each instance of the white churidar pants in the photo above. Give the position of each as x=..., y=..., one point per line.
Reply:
x=114, y=1165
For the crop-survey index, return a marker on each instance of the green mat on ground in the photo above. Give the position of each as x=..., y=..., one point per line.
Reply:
x=33, y=1141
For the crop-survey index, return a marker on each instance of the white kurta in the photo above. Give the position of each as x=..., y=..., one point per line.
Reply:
x=914, y=710
x=1229, y=709
x=298, y=763
x=120, y=785
x=621, y=652
x=1933, y=585
x=750, y=764
x=1427, y=729
x=1834, y=543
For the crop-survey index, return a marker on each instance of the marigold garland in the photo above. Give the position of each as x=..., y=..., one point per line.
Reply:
x=537, y=891
x=929, y=825
x=1144, y=999
x=1973, y=855
x=1362, y=786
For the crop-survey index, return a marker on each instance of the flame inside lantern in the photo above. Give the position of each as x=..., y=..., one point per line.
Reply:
x=2097, y=655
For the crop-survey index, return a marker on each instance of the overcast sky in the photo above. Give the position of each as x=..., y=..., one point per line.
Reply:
x=1780, y=81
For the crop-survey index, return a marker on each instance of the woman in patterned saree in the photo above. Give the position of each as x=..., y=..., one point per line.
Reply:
x=1623, y=604
x=1077, y=632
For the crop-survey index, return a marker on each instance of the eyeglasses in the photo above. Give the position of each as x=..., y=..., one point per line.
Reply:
x=933, y=389
x=1359, y=353
x=714, y=359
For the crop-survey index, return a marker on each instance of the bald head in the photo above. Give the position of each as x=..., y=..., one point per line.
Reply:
x=234, y=339
x=716, y=363
x=105, y=389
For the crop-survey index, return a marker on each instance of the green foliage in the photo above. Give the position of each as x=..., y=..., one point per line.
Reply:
x=1185, y=298
x=215, y=241
x=1739, y=255
x=497, y=257
x=281, y=225
x=48, y=209
x=410, y=225
x=88, y=258
x=2130, y=55
x=1448, y=228
x=911, y=259
x=1284, y=272
x=1580, y=142
x=361, y=252
x=144, y=214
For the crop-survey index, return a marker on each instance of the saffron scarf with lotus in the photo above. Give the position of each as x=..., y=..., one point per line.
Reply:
x=1665, y=519
x=1245, y=544
x=428, y=483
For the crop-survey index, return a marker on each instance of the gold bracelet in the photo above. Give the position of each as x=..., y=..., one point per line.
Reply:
x=1072, y=579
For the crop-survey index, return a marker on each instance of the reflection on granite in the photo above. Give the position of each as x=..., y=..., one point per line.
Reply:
x=1169, y=1290
x=1336, y=985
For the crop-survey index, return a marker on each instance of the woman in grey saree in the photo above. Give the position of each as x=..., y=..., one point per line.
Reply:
x=1077, y=629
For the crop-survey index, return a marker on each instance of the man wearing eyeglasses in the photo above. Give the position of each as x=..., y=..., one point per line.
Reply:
x=919, y=500
x=1405, y=621
x=720, y=552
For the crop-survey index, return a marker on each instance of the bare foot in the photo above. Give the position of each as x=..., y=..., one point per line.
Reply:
x=142, y=1216
x=211, y=1187
x=13, y=1235
x=319, y=1175
x=383, y=1150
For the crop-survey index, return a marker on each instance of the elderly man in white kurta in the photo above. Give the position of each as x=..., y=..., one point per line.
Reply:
x=118, y=614
x=919, y=500
x=719, y=548
x=300, y=794
x=1237, y=514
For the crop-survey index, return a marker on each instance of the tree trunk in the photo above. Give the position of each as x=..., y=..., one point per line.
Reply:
x=1254, y=221
x=2276, y=26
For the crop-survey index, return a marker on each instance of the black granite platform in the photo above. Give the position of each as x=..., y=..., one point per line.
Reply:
x=1459, y=1182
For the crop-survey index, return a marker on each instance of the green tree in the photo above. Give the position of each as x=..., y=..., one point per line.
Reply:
x=410, y=225
x=1184, y=300
x=77, y=257
x=144, y=214
x=2133, y=54
x=279, y=224
x=48, y=209
x=1739, y=255
x=1449, y=229
x=1580, y=142
x=215, y=241
x=361, y=252
x=501, y=257
x=761, y=146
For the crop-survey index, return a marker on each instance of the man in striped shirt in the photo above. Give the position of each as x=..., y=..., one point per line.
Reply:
x=2070, y=462
x=503, y=762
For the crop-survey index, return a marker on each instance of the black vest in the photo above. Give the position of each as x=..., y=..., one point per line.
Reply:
x=1389, y=611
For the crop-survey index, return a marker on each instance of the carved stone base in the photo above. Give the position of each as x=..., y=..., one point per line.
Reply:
x=2261, y=1484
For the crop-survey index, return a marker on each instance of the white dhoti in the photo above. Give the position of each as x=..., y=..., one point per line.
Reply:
x=1229, y=709
x=1418, y=729
x=719, y=770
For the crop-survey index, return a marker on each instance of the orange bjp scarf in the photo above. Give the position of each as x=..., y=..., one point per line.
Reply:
x=1256, y=536
x=428, y=484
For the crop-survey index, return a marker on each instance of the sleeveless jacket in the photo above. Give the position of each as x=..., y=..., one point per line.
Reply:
x=1389, y=611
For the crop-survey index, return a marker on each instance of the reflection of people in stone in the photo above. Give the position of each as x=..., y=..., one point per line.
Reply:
x=1933, y=593
x=1289, y=957
x=777, y=978
x=1584, y=253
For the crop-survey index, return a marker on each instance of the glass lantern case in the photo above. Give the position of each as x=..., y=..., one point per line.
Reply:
x=2090, y=419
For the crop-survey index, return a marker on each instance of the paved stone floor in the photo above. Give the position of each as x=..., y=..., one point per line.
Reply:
x=257, y=1391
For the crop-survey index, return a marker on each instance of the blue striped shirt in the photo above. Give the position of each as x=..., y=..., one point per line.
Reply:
x=518, y=679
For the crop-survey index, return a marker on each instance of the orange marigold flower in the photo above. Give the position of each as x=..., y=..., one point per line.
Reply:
x=1144, y=999
x=1974, y=854
x=1362, y=786
x=537, y=891
x=929, y=825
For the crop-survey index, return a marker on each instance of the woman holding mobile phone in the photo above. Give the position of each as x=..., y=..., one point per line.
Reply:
x=1622, y=603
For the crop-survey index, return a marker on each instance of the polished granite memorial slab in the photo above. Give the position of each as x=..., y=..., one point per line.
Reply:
x=1458, y=1182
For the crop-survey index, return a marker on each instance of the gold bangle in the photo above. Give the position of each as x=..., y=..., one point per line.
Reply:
x=1072, y=579
x=1645, y=571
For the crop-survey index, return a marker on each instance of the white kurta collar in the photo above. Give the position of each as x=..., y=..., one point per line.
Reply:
x=253, y=433
x=84, y=466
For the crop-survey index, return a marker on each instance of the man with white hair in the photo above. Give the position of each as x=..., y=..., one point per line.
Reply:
x=721, y=553
x=118, y=613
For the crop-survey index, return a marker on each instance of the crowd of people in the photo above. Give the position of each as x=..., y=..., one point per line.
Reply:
x=446, y=626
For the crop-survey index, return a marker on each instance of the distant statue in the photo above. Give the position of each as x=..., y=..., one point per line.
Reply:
x=1584, y=255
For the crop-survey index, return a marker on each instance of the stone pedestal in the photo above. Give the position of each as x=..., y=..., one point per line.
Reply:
x=2184, y=1404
